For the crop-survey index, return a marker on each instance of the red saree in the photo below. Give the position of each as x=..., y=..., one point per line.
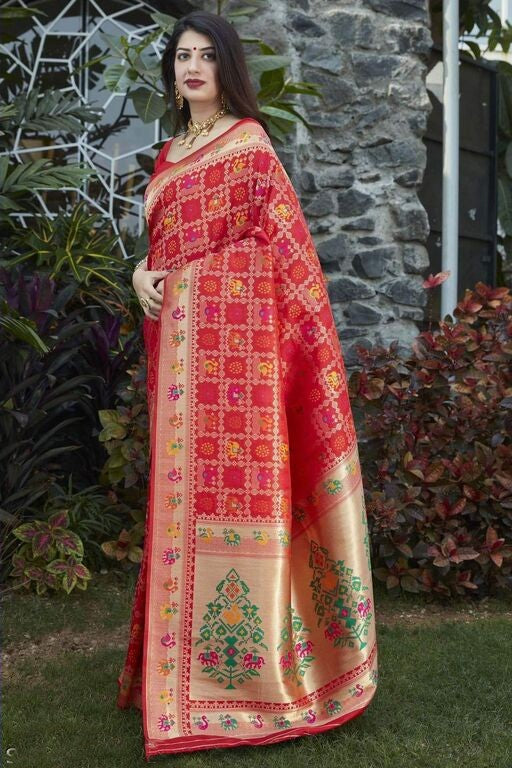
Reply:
x=253, y=617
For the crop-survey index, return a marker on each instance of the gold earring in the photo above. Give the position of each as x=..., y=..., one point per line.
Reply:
x=178, y=97
x=223, y=103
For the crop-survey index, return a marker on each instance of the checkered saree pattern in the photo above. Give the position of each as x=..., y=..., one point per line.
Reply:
x=253, y=617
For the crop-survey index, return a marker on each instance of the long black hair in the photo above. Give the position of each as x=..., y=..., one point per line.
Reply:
x=232, y=67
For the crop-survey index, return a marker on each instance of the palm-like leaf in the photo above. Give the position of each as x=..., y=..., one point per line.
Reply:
x=21, y=328
x=51, y=111
x=19, y=179
x=76, y=242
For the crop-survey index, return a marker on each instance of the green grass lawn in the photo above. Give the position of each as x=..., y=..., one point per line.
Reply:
x=443, y=698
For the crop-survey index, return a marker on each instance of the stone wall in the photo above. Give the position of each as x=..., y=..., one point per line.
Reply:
x=358, y=170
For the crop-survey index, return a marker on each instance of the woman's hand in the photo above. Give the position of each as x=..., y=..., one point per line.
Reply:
x=148, y=284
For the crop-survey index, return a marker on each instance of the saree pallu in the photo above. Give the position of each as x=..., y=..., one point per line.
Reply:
x=253, y=617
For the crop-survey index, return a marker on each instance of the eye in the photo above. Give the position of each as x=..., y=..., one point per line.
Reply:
x=180, y=55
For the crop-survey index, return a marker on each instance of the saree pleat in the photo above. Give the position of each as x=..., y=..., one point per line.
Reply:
x=253, y=617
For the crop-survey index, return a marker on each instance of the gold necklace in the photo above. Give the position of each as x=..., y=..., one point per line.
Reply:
x=201, y=128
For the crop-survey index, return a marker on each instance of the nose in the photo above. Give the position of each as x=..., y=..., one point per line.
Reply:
x=193, y=63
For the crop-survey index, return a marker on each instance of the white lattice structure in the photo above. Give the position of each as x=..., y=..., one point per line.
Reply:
x=61, y=43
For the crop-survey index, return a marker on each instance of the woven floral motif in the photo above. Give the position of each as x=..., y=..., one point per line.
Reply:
x=341, y=603
x=231, y=635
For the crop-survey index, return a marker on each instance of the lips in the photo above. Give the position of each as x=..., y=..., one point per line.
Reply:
x=194, y=82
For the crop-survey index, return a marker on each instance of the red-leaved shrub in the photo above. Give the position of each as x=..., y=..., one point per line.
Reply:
x=436, y=451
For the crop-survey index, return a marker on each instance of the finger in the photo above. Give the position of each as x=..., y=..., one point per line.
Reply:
x=154, y=311
x=155, y=296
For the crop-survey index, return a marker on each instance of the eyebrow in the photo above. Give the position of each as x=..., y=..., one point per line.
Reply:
x=201, y=49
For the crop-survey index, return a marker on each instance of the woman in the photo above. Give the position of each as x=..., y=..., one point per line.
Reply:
x=253, y=617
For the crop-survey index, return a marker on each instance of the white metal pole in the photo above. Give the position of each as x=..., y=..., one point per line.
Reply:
x=506, y=11
x=450, y=223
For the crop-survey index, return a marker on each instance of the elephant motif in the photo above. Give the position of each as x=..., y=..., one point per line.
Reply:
x=176, y=420
x=215, y=202
x=333, y=631
x=209, y=658
x=303, y=648
x=174, y=529
x=178, y=366
x=173, y=500
x=364, y=607
x=211, y=420
x=253, y=662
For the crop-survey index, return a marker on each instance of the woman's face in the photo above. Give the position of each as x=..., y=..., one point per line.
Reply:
x=195, y=59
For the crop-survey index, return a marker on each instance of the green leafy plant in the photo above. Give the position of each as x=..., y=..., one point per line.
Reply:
x=125, y=433
x=50, y=556
x=125, y=437
x=20, y=328
x=89, y=515
x=127, y=545
x=477, y=21
x=39, y=111
x=19, y=182
x=69, y=328
x=436, y=451
x=78, y=242
x=50, y=394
